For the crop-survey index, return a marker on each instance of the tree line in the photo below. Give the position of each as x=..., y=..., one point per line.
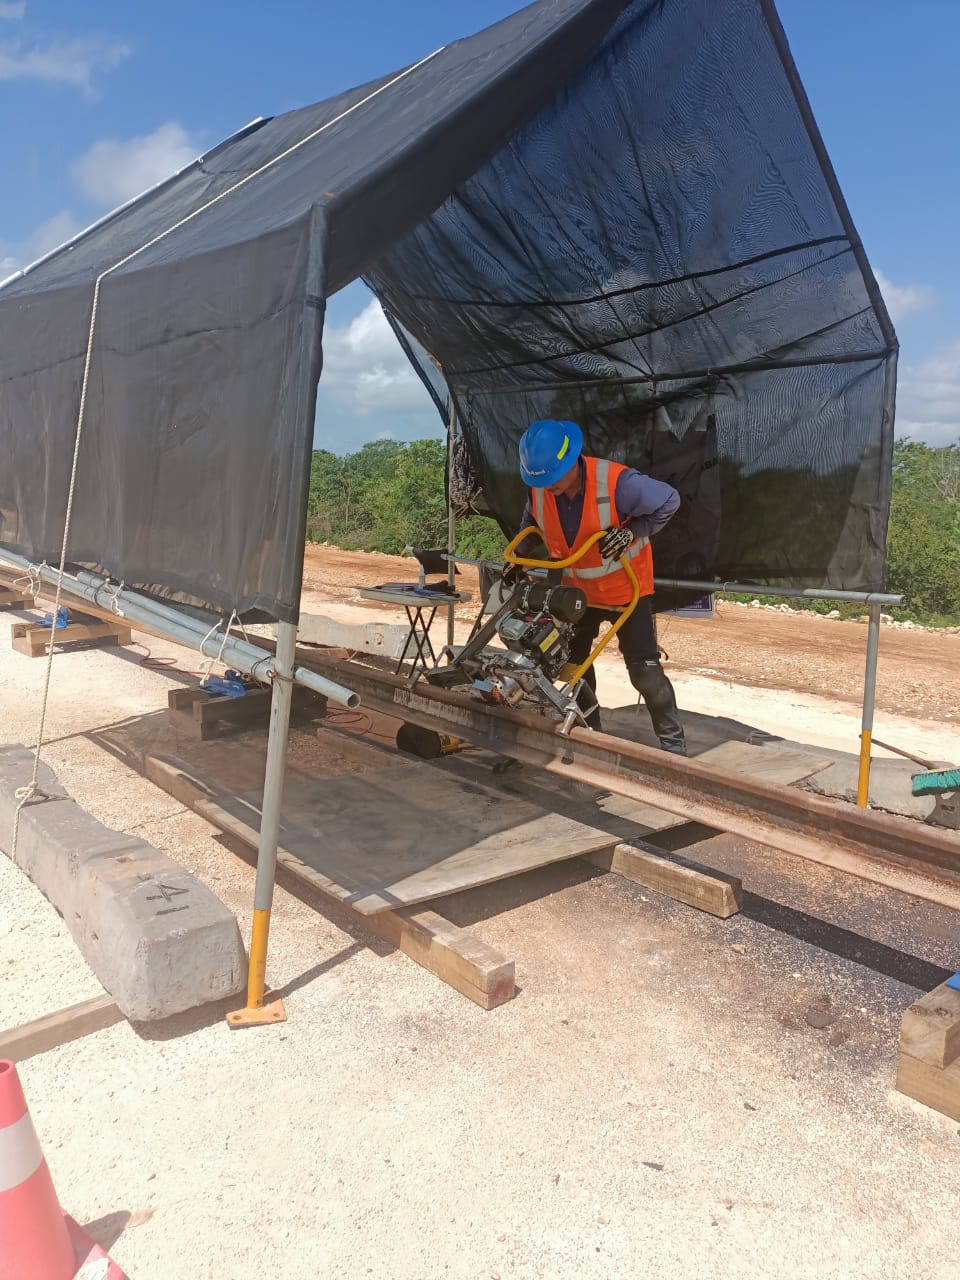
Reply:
x=389, y=495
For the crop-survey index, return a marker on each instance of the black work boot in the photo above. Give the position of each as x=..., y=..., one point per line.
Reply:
x=650, y=681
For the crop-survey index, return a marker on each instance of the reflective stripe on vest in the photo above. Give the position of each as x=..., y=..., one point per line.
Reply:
x=538, y=507
x=599, y=477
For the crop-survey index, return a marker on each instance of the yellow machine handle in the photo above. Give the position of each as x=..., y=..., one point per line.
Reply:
x=577, y=554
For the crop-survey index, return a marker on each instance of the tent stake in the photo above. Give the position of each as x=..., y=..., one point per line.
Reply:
x=263, y=1006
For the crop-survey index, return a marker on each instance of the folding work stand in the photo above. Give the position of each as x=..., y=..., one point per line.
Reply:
x=421, y=608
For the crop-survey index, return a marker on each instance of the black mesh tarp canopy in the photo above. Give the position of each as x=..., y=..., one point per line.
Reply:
x=664, y=256
x=612, y=211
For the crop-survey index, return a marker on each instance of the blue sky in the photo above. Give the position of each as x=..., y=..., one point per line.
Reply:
x=100, y=100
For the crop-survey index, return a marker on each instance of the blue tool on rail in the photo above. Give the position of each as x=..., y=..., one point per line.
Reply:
x=63, y=620
x=231, y=685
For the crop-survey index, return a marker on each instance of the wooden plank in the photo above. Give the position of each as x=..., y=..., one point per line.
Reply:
x=936, y=1087
x=59, y=1028
x=465, y=963
x=930, y=1030
x=712, y=891
x=407, y=833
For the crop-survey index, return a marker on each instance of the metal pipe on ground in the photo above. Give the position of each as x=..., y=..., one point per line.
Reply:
x=166, y=621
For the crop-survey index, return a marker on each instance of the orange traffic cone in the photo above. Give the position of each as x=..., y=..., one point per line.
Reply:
x=34, y=1240
x=37, y=1240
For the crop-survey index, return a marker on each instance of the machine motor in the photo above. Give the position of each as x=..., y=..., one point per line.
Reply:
x=540, y=625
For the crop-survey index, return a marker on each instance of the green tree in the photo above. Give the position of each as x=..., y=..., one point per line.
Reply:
x=923, y=542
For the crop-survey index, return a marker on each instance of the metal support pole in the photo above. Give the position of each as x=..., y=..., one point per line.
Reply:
x=258, y=1008
x=451, y=519
x=869, y=698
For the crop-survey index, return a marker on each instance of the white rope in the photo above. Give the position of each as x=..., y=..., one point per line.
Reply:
x=115, y=601
x=33, y=788
x=32, y=579
x=25, y=794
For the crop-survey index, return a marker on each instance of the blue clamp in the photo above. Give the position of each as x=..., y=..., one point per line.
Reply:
x=229, y=685
x=63, y=620
x=954, y=982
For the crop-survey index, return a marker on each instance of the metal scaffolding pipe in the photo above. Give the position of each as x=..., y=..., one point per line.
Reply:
x=791, y=593
x=181, y=629
x=748, y=588
x=869, y=699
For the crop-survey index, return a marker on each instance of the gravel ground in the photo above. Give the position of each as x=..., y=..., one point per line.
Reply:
x=669, y=1095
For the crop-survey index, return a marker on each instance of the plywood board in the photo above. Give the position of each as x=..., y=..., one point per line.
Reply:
x=778, y=764
x=461, y=960
x=405, y=834
x=770, y=763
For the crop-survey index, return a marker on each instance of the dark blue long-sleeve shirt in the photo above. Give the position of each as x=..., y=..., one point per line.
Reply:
x=644, y=505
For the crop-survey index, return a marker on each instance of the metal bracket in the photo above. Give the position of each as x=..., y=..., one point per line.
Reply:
x=271, y=1010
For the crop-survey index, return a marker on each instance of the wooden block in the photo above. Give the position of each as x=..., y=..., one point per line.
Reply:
x=59, y=1028
x=183, y=699
x=13, y=597
x=206, y=715
x=713, y=891
x=465, y=963
x=33, y=640
x=936, y=1087
x=930, y=1030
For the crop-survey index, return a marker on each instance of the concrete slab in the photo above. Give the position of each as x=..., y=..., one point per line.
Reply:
x=158, y=940
x=889, y=787
x=383, y=638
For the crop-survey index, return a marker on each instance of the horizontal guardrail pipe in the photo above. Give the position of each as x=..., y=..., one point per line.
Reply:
x=791, y=593
x=747, y=588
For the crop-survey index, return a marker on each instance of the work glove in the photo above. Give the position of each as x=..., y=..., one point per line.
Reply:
x=615, y=543
x=513, y=575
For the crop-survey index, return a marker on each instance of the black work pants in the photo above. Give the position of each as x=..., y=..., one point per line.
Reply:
x=641, y=656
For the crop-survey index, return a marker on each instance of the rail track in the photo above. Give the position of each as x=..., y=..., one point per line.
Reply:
x=888, y=849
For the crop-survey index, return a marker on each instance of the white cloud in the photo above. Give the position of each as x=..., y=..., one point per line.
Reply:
x=928, y=398
x=113, y=171
x=13, y=11
x=70, y=62
x=365, y=369
x=903, y=299
x=52, y=233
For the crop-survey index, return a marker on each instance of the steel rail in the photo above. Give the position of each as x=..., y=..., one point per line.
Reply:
x=885, y=848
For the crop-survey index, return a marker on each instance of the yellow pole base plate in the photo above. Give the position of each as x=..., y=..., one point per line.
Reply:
x=271, y=1010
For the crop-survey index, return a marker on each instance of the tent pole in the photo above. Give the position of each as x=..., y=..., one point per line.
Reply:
x=451, y=517
x=869, y=698
x=259, y=1009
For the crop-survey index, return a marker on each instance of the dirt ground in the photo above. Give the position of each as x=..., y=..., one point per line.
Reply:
x=918, y=671
x=668, y=1096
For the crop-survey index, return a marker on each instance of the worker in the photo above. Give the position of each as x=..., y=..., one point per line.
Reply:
x=573, y=496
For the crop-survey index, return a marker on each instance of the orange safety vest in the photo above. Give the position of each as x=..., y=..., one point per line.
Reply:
x=603, y=582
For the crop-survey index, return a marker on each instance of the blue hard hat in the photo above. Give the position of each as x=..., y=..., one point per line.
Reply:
x=548, y=449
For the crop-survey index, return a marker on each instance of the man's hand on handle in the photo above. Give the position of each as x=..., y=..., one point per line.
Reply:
x=615, y=543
